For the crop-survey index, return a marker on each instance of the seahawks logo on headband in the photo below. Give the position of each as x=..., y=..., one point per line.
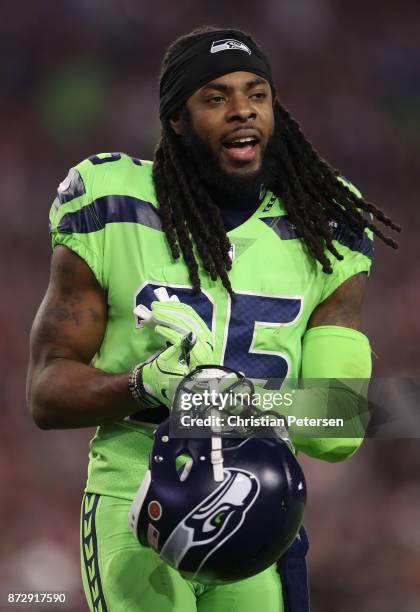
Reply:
x=229, y=43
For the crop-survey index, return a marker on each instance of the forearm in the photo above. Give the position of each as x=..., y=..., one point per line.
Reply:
x=70, y=394
x=336, y=367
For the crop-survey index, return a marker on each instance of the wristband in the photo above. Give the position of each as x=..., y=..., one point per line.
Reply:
x=137, y=390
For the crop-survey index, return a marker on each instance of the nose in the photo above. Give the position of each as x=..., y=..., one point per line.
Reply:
x=240, y=109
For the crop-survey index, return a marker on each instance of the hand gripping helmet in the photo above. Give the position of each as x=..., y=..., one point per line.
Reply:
x=218, y=526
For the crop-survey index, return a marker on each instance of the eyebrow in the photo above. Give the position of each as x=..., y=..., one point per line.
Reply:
x=227, y=88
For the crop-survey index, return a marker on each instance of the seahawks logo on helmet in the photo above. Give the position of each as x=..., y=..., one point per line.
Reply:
x=208, y=517
x=229, y=43
x=213, y=521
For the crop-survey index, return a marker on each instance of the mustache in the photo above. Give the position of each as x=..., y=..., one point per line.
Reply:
x=197, y=149
x=220, y=184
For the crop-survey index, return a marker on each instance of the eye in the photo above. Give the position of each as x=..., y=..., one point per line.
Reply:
x=259, y=95
x=216, y=100
x=219, y=518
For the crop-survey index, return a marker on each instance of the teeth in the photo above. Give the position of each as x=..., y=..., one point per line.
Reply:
x=239, y=141
x=247, y=139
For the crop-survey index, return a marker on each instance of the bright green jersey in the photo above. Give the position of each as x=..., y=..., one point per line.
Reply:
x=106, y=211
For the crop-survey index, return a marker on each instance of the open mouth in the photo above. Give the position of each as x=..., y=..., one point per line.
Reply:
x=241, y=149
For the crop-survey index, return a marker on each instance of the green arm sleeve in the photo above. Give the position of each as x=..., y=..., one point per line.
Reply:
x=344, y=355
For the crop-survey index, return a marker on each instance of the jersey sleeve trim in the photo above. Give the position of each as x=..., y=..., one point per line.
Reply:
x=81, y=249
x=349, y=267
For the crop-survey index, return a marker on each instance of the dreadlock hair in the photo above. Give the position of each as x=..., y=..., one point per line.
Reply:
x=308, y=186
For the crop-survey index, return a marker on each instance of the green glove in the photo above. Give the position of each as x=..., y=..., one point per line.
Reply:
x=173, y=320
x=162, y=375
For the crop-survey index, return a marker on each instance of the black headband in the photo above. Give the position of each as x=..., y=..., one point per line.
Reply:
x=209, y=56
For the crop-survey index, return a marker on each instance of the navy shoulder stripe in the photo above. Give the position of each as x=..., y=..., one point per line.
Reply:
x=282, y=226
x=96, y=160
x=351, y=240
x=110, y=209
x=285, y=229
x=112, y=157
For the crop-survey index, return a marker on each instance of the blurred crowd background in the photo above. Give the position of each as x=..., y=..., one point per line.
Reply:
x=80, y=77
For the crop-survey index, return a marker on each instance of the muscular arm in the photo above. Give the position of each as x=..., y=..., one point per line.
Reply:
x=63, y=390
x=337, y=356
x=343, y=307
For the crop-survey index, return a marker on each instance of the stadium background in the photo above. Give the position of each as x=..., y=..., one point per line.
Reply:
x=81, y=77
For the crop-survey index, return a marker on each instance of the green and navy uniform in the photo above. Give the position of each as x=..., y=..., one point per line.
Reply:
x=106, y=211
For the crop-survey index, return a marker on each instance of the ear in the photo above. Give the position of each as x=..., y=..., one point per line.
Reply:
x=176, y=124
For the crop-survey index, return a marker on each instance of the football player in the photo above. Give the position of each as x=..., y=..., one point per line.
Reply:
x=267, y=249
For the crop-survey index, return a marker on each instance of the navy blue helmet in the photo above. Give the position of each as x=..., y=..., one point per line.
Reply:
x=218, y=530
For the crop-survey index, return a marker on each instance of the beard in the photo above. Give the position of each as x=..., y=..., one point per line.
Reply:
x=239, y=189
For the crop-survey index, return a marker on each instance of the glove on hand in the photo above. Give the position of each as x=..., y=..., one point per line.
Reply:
x=173, y=320
x=162, y=375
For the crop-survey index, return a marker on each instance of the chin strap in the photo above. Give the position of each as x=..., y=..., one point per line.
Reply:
x=217, y=458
